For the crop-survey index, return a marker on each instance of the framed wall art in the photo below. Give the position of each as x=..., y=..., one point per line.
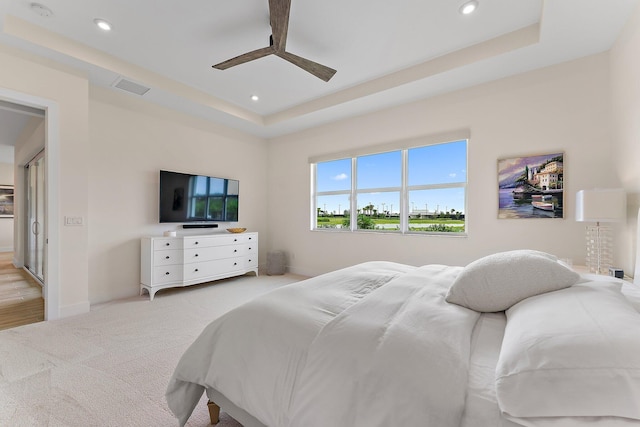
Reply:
x=531, y=186
x=6, y=201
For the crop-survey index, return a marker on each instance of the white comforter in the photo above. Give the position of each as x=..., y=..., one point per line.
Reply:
x=340, y=349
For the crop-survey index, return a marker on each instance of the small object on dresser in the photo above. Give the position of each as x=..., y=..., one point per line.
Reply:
x=236, y=230
x=616, y=272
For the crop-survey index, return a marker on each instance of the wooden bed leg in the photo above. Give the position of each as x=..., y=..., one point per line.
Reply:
x=214, y=412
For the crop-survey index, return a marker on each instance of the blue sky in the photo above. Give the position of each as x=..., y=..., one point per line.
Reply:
x=434, y=164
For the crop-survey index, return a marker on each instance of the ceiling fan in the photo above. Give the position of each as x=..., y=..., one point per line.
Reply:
x=279, y=19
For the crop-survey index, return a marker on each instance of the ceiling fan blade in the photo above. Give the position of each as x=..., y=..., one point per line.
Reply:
x=245, y=57
x=321, y=71
x=279, y=17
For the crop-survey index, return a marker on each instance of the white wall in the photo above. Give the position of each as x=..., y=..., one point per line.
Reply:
x=6, y=224
x=561, y=108
x=130, y=142
x=21, y=74
x=625, y=112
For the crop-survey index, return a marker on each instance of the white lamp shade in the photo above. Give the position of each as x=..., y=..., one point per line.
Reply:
x=601, y=205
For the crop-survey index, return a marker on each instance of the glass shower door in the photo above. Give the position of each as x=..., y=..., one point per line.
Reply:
x=36, y=215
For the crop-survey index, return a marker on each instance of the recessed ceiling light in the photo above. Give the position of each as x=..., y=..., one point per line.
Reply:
x=255, y=98
x=41, y=9
x=102, y=24
x=468, y=7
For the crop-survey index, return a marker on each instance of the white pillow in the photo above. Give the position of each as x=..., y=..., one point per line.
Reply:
x=574, y=352
x=496, y=282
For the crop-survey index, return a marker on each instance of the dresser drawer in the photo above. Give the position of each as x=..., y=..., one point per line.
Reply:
x=213, y=253
x=252, y=248
x=173, y=256
x=168, y=243
x=167, y=274
x=200, y=270
x=251, y=238
x=208, y=241
x=192, y=242
x=251, y=261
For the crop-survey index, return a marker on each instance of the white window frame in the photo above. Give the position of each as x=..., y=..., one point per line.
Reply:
x=403, y=146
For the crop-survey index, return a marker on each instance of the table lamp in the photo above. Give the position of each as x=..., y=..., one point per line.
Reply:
x=600, y=205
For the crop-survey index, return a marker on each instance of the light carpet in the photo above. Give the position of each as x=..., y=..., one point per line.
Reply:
x=111, y=366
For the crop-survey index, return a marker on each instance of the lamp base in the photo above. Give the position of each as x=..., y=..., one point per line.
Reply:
x=599, y=249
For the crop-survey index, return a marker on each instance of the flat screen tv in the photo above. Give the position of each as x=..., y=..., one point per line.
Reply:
x=197, y=198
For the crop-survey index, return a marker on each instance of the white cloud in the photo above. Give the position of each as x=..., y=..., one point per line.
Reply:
x=453, y=175
x=341, y=177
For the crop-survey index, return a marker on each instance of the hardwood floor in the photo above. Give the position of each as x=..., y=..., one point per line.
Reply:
x=21, y=299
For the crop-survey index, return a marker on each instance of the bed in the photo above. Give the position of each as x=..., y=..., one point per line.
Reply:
x=513, y=339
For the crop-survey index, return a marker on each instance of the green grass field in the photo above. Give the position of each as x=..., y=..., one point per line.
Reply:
x=415, y=224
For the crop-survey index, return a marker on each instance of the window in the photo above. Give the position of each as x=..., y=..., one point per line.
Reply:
x=378, y=188
x=419, y=189
x=333, y=183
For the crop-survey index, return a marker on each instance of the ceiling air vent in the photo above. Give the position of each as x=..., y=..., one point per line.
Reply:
x=129, y=86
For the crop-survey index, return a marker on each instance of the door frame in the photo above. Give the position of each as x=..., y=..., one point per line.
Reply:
x=51, y=291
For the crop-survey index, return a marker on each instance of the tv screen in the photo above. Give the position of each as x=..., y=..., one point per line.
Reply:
x=197, y=198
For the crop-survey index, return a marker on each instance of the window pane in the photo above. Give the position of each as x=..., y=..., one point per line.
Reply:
x=233, y=187
x=332, y=211
x=333, y=176
x=380, y=170
x=216, y=208
x=379, y=211
x=199, y=185
x=439, y=210
x=197, y=207
x=232, y=207
x=216, y=186
x=438, y=164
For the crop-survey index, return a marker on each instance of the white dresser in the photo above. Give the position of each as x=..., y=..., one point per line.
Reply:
x=171, y=262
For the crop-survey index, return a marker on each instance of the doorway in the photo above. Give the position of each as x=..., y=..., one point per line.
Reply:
x=50, y=248
x=21, y=293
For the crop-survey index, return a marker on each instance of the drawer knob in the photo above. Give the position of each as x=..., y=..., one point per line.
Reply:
x=195, y=243
x=235, y=263
x=167, y=273
x=196, y=254
x=167, y=244
x=249, y=260
x=249, y=247
x=249, y=238
x=196, y=269
x=167, y=257
x=235, y=250
x=235, y=240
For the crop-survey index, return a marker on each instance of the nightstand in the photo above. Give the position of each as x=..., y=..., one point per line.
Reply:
x=584, y=271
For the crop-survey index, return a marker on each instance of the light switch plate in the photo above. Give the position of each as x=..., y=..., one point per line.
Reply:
x=73, y=220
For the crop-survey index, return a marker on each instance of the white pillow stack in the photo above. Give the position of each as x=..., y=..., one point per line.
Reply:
x=574, y=352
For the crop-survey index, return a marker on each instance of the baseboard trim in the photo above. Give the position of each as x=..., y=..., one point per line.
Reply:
x=294, y=270
x=75, y=309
